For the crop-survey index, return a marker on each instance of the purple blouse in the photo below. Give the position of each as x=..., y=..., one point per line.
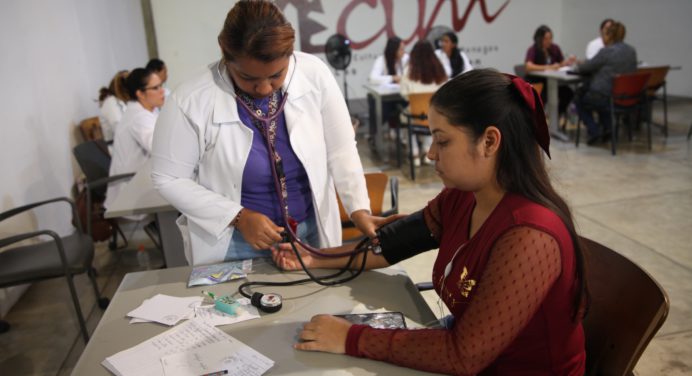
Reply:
x=258, y=191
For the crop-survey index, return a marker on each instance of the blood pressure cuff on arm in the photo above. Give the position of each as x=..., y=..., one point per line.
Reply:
x=406, y=238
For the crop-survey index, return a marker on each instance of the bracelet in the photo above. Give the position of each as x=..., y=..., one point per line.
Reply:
x=235, y=220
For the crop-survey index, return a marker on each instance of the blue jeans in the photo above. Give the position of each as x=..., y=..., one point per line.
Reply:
x=588, y=103
x=239, y=249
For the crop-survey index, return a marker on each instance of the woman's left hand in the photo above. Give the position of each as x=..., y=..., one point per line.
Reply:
x=324, y=333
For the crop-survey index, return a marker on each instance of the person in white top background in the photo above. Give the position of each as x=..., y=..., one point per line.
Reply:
x=424, y=74
x=595, y=45
x=112, y=102
x=159, y=67
x=133, y=136
x=389, y=67
x=454, y=61
x=262, y=107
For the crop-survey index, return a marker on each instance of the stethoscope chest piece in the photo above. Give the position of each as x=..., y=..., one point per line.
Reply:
x=268, y=303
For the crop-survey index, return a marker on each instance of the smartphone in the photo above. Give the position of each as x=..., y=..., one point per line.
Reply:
x=380, y=320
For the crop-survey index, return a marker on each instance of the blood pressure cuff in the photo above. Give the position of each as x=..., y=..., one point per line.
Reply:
x=406, y=238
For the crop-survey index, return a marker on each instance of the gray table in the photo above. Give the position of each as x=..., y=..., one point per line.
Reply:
x=554, y=78
x=273, y=334
x=139, y=197
x=382, y=93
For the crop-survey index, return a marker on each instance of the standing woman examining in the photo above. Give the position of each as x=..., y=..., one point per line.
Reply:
x=113, y=101
x=262, y=107
x=454, y=61
x=133, y=137
x=389, y=67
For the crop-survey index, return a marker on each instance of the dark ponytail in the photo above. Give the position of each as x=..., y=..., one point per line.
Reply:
x=137, y=80
x=390, y=51
x=538, y=36
x=455, y=59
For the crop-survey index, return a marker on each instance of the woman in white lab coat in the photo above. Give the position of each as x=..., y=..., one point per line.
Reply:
x=211, y=159
x=453, y=60
x=112, y=102
x=133, y=136
x=389, y=67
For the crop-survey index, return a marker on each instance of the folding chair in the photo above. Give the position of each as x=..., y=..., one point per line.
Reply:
x=657, y=80
x=419, y=105
x=376, y=183
x=57, y=257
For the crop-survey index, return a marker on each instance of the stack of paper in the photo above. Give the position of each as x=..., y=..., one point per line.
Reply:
x=164, y=309
x=192, y=348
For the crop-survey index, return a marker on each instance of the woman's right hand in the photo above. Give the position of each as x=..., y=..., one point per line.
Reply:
x=286, y=259
x=258, y=230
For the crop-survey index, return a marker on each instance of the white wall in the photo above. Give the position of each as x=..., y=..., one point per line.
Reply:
x=55, y=56
x=186, y=31
x=659, y=30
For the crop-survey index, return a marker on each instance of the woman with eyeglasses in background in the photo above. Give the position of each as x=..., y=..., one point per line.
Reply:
x=134, y=134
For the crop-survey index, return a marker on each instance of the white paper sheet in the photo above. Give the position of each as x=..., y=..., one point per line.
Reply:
x=189, y=337
x=167, y=310
x=232, y=356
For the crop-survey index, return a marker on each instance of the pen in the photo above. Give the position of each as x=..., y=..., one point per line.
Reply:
x=217, y=373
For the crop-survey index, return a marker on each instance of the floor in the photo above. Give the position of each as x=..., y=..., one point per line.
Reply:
x=638, y=202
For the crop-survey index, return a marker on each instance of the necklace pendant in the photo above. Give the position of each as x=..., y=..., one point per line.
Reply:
x=258, y=112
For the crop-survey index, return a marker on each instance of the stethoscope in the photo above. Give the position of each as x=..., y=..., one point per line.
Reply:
x=272, y=302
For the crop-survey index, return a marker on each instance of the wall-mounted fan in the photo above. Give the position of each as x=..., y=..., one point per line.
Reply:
x=435, y=33
x=338, y=51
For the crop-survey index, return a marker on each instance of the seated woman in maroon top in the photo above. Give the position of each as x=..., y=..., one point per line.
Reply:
x=509, y=266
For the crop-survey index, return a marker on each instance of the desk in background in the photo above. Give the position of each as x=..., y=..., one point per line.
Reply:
x=138, y=196
x=380, y=94
x=554, y=78
x=273, y=334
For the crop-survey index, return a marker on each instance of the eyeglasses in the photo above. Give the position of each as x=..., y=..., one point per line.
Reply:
x=155, y=88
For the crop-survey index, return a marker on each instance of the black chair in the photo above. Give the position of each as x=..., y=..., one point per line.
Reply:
x=94, y=159
x=57, y=257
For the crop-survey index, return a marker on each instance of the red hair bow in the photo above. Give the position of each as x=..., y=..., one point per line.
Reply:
x=535, y=104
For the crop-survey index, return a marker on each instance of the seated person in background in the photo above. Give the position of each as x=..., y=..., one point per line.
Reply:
x=615, y=58
x=112, y=102
x=509, y=268
x=454, y=61
x=424, y=74
x=595, y=45
x=159, y=67
x=133, y=137
x=389, y=67
x=545, y=55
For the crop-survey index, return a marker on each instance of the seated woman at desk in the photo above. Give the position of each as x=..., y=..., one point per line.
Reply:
x=424, y=74
x=389, y=67
x=454, y=61
x=133, y=136
x=257, y=145
x=615, y=58
x=545, y=55
x=510, y=267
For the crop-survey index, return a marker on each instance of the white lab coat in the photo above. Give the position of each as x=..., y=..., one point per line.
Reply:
x=201, y=148
x=131, y=146
x=447, y=65
x=379, y=74
x=112, y=110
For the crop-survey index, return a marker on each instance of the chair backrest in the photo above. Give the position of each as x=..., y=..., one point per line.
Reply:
x=538, y=86
x=656, y=79
x=627, y=308
x=90, y=128
x=376, y=183
x=419, y=105
x=520, y=70
x=95, y=161
x=628, y=88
